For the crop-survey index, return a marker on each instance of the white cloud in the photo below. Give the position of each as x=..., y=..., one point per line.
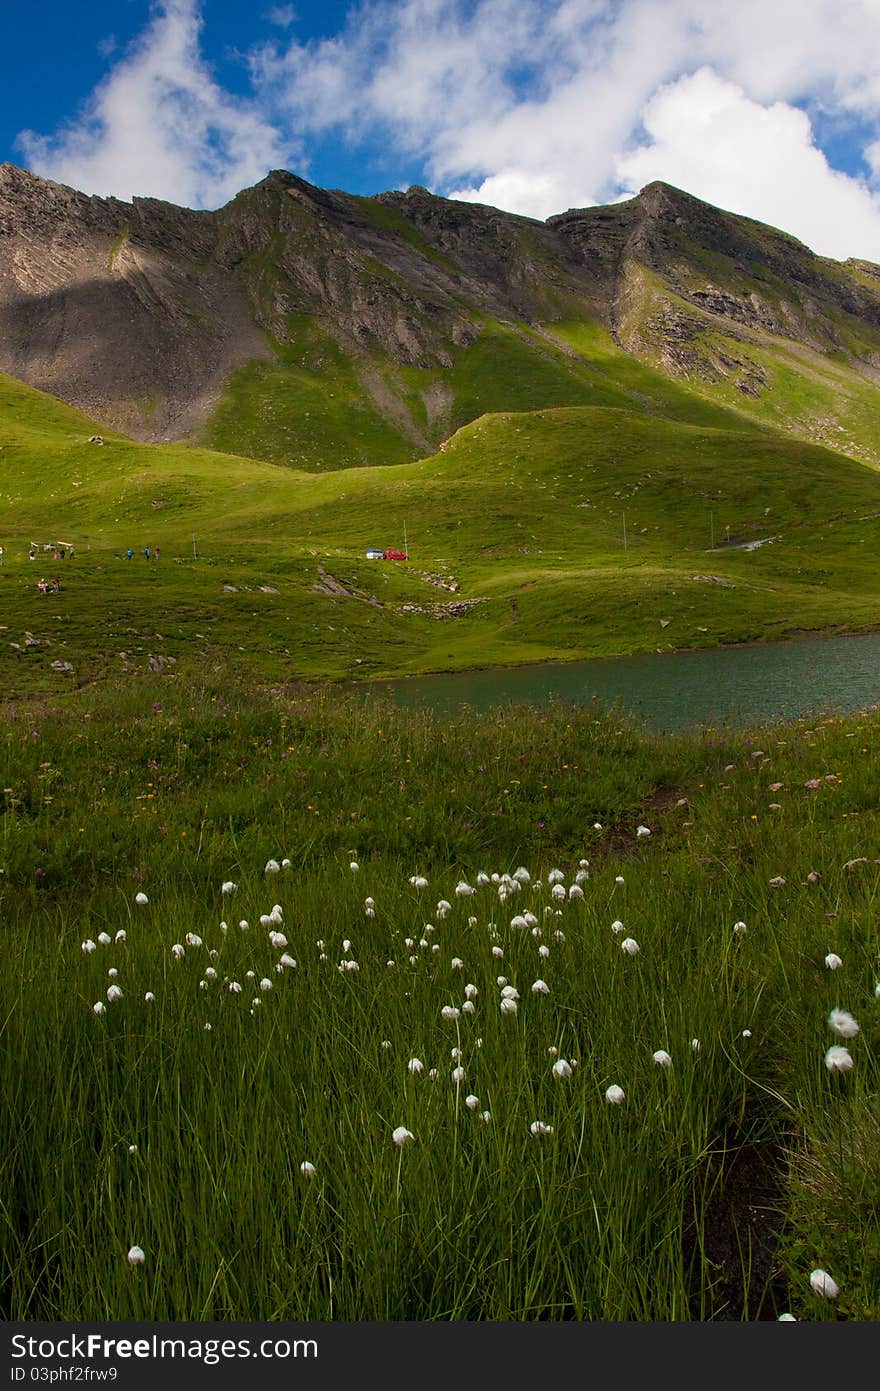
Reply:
x=159, y=125
x=705, y=135
x=533, y=107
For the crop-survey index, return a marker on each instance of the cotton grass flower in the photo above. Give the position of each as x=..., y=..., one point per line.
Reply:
x=114, y=993
x=561, y=1068
x=470, y=991
x=822, y=1283
x=401, y=1136
x=99, y=1007
x=178, y=951
x=415, y=1066
x=839, y=1059
x=307, y=1169
x=617, y=926
x=539, y=1128
x=662, y=1058
x=468, y=1007
x=265, y=983
x=272, y=867
x=104, y=939
x=472, y=1102
x=458, y=1075
x=695, y=1045
x=630, y=946
x=642, y=832
x=498, y=953
x=136, y=1256
x=558, y=892
x=543, y=952
x=141, y=900
x=615, y=1095
x=739, y=928
x=833, y=961
x=463, y=889
x=575, y=891
x=508, y=1006
x=354, y=866
x=88, y=946
x=120, y=936
x=112, y=973
x=510, y=992
x=288, y=961
x=149, y=998
x=228, y=887
x=842, y=1023
x=540, y=987
x=450, y=1013
x=192, y=939
x=277, y=939
x=418, y=881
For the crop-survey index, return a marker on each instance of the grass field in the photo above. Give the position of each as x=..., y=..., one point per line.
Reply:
x=177, y=1118
x=576, y=531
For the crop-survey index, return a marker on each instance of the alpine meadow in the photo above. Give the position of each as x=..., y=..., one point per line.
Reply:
x=317, y=1007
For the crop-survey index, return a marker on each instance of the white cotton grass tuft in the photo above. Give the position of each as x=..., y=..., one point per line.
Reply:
x=272, y=867
x=642, y=832
x=739, y=928
x=842, y=1023
x=630, y=946
x=307, y=1169
x=354, y=866
x=178, y=951
x=539, y=1128
x=401, y=1136
x=540, y=987
x=662, y=1058
x=561, y=1068
x=786, y=1318
x=141, y=900
x=508, y=1006
x=415, y=1066
x=99, y=1007
x=450, y=1013
x=617, y=926
x=114, y=993
x=472, y=1102
x=839, y=1059
x=615, y=1095
x=833, y=961
x=88, y=946
x=228, y=887
x=121, y=935
x=136, y=1256
x=104, y=939
x=822, y=1283
x=277, y=939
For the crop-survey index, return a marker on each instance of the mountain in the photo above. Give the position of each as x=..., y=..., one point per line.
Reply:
x=323, y=330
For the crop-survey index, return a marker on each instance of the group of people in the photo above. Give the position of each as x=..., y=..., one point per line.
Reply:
x=45, y=586
x=58, y=552
x=150, y=554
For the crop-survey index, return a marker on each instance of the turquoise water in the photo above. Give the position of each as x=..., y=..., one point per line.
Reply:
x=734, y=686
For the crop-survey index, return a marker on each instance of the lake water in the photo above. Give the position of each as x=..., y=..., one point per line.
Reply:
x=733, y=686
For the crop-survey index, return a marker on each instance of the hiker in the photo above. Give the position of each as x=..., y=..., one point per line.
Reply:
x=41, y=586
x=56, y=583
x=70, y=554
x=155, y=552
x=147, y=552
x=32, y=555
x=129, y=553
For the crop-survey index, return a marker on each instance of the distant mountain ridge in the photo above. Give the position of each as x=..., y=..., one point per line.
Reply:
x=324, y=329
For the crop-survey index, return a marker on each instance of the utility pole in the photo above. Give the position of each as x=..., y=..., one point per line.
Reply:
x=624, y=531
x=405, y=550
x=195, y=556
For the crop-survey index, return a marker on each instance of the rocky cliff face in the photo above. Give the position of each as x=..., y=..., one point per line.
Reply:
x=138, y=313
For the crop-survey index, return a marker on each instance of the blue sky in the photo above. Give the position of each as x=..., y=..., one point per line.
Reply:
x=768, y=107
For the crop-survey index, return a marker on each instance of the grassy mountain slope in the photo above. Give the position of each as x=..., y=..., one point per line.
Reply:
x=524, y=511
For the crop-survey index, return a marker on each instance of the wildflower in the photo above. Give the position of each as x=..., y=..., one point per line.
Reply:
x=149, y=998
x=401, y=1136
x=483, y=878
x=450, y=1013
x=208, y=1028
x=415, y=1066
x=114, y=993
x=597, y=825
x=443, y=907
x=234, y=987
x=88, y=946
x=552, y=1050
x=463, y=889
x=136, y=1256
x=543, y=952
x=615, y=1095
x=776, y=882
x=539, y=1128
x=786, y=1318
x=227, y=887
x=508, y=1006
x=104, y=938
x=354, y=866
x=540, y=987
x=369, y=903
x=455, y=1054
x=642, y=832
x=470, y=992
x=813, y=877
x=307, y=1169
x=517, y=922
x=630, y=946
x=349, y=966
x=458, y=1074
x=287, y=961
x=386, y=1043
x=497, y=952
x=132, y=1149
x=509, y=992
x=662, y=1058
x=272, y=867
x=285, y=864
x=696, y=1045
x=746, y=1033
x=561, y=1068
x=575, y=891
x=739, y=928
x=472, y=1102
x=141, y=900
x=98, y=1007
x=843, y=1024
x=178, y=952
x=617, y=925
x=112, y=972
x=278, y=939
x=558, y=892
x=833, y=961
x=619, y=879
x=193, y=940
x=418, y=882
x=265, y=983
x=432, y=1074
x=485, y=1117
x=839, y=1059
x=823, y=1284
x=558, y=936
x=877, y=990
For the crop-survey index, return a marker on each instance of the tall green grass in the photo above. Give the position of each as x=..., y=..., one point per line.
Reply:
x=170, y=789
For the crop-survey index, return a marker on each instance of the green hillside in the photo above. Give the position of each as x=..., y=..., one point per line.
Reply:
x=262, y=566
